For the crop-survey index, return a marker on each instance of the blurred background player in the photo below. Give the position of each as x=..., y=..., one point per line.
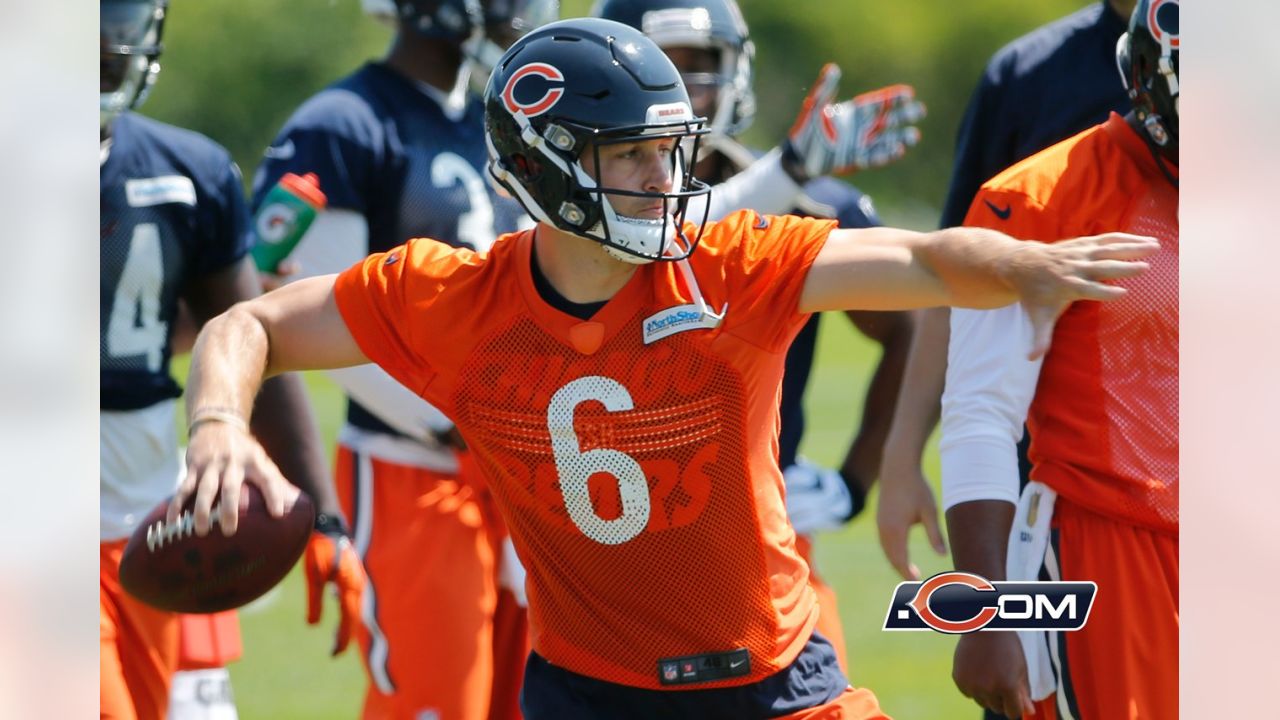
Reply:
x=709, y=43
x=1102, y=504
x=1039, y=89
x=398, y=147
x=174, y=230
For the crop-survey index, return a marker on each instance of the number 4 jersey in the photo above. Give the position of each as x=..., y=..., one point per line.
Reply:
x=633, y=455
x=172, y=211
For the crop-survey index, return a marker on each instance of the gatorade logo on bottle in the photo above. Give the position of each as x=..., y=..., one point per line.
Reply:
x=287, y=211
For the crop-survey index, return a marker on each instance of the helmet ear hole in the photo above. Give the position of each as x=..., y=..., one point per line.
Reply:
x=527, y=168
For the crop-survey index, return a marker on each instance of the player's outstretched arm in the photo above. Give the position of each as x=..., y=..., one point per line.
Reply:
x=892, y=269
x=297, y=327
x=282, y=418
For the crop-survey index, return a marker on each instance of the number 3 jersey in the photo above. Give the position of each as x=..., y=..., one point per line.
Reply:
x=172, y=211
x=401, y=154
x=633, y=455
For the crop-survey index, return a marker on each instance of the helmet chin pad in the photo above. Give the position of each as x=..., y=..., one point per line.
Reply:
x=650, y=238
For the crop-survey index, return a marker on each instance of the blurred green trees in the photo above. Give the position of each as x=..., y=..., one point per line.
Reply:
x=236, y=69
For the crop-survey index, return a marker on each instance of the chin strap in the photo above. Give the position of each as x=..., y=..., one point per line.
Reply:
x=691, y=282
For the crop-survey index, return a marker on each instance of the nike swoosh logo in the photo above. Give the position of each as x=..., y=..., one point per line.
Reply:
x=280, y=152
x=1002, y=214
x=736, y=664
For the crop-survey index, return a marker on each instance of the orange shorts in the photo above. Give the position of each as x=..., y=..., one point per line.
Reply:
x=208, y=641
x=1124, y=663
x=441, y=636
x=829, y=624
x=139, y=647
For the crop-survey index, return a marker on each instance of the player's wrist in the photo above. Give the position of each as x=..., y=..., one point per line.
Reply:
x=208, y=415
x=857, y=495
x=792, y=163
x=332, y=524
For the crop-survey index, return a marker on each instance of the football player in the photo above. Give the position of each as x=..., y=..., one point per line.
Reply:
x=398, y=147
x=1102, y=408
x=1040, y=89
x=174, y=229
x=709, y=43
x=615, y=372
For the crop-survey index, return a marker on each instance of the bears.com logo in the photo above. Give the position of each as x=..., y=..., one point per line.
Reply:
x=959, y=602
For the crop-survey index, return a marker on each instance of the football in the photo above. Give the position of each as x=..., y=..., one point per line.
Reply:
x=169, y=567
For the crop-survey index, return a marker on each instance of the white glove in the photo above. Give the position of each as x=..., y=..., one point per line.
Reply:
x=870, y=130
x=817, y=498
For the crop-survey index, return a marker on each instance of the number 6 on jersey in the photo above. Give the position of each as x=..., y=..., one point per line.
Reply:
x=576, y=467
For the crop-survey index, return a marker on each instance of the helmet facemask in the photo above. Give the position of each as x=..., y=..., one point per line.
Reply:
x=129, y=48
x=505, y=21
x=735, y=104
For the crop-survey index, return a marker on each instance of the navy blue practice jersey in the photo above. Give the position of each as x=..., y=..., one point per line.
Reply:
x=172, y=209
x=825, y=197
x=383, y=147
x=1039, y=89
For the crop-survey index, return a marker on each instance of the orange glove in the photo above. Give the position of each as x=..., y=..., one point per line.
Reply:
x=331, y=558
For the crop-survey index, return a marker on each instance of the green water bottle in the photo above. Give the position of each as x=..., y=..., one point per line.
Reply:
x=287, y=211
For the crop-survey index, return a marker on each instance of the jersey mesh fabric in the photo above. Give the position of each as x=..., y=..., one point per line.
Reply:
x=1104, y=421
x=639, y=481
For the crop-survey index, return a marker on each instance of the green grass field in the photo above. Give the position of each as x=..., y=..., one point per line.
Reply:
x=287, y=673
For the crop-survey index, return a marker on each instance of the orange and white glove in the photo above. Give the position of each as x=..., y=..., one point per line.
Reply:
x=331, y=558
x=870, y=130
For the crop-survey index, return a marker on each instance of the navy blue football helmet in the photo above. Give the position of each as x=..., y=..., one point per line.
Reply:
x=129, y=48
x=715, y=25
x=482, y=28
x=584, y=83
x=1147, y=56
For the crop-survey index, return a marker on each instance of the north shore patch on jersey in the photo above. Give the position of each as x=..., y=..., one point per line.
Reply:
x=172, y=209
x=639, y=481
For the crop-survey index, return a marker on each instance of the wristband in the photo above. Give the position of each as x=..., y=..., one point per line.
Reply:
x=215, y=414
x=331, y=525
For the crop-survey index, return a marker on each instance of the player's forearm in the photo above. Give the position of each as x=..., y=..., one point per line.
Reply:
x=894, y=332
x=979, y=533
x=763, y=187
x=228, y=364
x=286, y=427
x=975, y=265
x=918, y=406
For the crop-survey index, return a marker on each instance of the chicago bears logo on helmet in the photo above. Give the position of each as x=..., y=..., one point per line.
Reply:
x=1162, y=19
x=552, y=79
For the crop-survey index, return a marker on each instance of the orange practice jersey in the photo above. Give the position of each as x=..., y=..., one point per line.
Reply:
x=1104, y=421
x=639, y=479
